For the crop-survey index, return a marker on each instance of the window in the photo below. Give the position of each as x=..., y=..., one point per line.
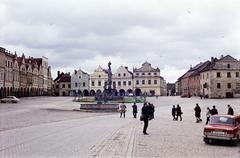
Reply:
x=207, y=75
x=137, y=74
x=149, y=81
x=124, y=74
x=218, y=74
x=69, y=85
x=99, y=76
x=143, y=81
x=76, y=84
x=79, y=77
x=119, y=75
x=149, y=74
x=218, y=85
x=99, y=83
x=57, y=86
x=228, y=65
x=205, y=85
x=237, y=74
x=229, y=85
x=155, y=73
x=114, y=83
x=124, y=83
x=79, y=84
x=119, y=83
x=63, y=86
x=84, y=84
x=155, y=81
x=229, y=74
x=129, y=83
x=92, y=83
x=137, y=81
x=143, y=74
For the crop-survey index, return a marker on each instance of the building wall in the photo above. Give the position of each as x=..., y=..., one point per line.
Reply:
x=222, y=80
x=98, y=79
x=123, y=80
x=213, y=91
x=64, y=88
x=2, y=66
x=147, y=79
x=79, y=82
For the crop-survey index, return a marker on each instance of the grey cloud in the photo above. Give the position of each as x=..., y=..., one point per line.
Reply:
x=80, y=33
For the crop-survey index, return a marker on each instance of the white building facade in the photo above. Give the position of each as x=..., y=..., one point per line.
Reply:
x=79, y=83
x=123, y=81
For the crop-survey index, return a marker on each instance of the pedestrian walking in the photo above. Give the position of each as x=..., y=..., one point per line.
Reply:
x=179, y=112
x=197, y=110
x=145, y=116
x=214, y=111
x=230, y=110
x=152, y=110
x=208, y=114
x=174, y=112
x=122, y=109
x=134, y=110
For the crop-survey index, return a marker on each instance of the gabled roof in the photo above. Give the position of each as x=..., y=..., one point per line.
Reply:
x=63, y=77
x=212, y=64
x=196, y=69
x=146, y=67
x=228, y=58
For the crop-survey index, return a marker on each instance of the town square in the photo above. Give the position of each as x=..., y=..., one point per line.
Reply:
x=55, y=127
x=119, y=78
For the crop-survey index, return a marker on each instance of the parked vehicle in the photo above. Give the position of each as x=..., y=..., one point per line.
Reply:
x=10, y=99
x=222, y=127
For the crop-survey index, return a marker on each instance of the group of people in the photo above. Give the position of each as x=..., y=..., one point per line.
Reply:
x=177, y=112
x=147, y=113
x=209, y=112
x=148, y=110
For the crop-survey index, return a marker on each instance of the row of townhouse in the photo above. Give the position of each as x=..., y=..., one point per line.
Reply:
x=22, y=77
x=142, y=80
x=218, y=78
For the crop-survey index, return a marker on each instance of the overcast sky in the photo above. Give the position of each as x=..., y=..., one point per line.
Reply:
x=170, y=34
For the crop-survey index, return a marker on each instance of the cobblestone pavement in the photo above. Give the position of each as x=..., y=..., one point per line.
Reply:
x=53, y=127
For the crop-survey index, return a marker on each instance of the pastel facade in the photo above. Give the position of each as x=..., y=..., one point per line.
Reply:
x=97, y=80
x=123, y=81
x=80, y=83
x=21, y=77
x=146, y=80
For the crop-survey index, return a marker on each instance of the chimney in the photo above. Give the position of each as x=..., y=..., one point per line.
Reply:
x=221, y=56
x=212, y=59
x=190, y=67
x=58, y=73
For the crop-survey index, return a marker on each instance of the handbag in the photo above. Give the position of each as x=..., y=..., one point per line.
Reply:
x=141, y=117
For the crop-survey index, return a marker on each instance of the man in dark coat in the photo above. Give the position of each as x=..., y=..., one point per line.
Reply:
x=174, y=112
x=197, y=110
x=152, y=110
x=179, y=112
x=146, y=110
x=134, y=110
x=230, y=110
x=214, y=111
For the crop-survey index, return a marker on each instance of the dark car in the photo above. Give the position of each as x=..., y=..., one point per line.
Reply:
x=222, y=127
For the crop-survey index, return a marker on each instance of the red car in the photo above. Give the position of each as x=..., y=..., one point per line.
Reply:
x=222, y=127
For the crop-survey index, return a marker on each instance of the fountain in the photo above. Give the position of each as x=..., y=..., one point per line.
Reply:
x=103, y=98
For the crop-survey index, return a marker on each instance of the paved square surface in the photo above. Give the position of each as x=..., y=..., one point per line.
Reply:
x=53, y=127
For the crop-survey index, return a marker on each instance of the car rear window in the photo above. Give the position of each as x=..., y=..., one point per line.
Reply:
x=222, y=120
